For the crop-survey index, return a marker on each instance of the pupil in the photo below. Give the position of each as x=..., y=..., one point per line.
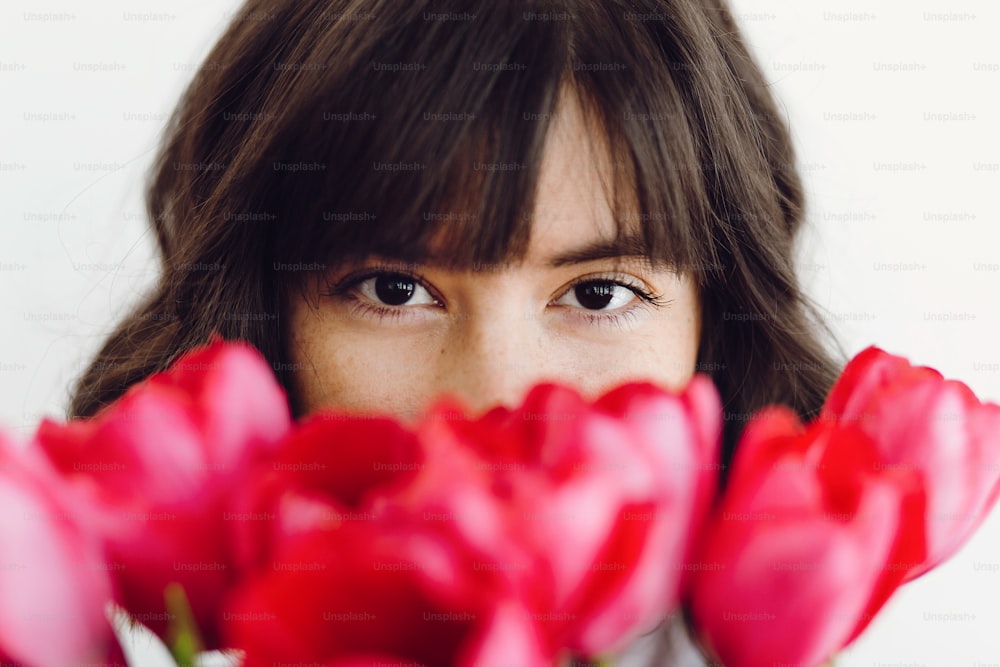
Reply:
x=595, y=296
x=394, y=290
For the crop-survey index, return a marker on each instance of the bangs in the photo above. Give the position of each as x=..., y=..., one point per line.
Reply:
x=421, y=138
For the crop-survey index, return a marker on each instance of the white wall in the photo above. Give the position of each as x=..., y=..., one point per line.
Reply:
x=901, y=165
x=909, y=258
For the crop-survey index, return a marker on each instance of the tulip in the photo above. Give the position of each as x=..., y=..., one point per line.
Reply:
x=605, y=497
x=153, y=471
x=557, y=527
x=54, y=583
x=809, y=540
x=342, y=573
x=936, y=427
x=332, y=467
x=378, y=592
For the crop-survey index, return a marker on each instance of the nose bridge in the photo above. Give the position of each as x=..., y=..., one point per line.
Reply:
x=492, y=357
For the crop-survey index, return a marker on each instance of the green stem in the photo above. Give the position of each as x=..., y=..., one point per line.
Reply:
x=183, y=639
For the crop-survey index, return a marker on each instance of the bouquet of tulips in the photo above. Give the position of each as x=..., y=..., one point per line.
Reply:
x=562, y=528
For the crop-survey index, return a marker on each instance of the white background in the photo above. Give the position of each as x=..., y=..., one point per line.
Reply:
x=906, y=258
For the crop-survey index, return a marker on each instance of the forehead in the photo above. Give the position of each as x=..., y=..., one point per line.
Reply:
x=575, y=185
x=573, y=204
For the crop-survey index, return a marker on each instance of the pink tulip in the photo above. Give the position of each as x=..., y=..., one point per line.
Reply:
x=332, y=468
x=335, y=538
x=810, y=539
x=605, y=496
x=919, y=421
x=155, y=469
x=54, y=583
x=558, y=526
x=378, y=591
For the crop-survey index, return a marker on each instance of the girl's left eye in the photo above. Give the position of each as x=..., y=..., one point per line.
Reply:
x=599, y=295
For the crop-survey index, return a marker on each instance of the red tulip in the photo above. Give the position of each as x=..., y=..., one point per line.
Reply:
x=335, y=537
x=154, y=470
x=920, y=421
x=606, y=497
x=809, y=540
x=379, y=591
x=54, y=584
x=333, y=467
x=558, y=525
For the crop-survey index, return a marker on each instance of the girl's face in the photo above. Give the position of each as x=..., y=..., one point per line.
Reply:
x=388, y=337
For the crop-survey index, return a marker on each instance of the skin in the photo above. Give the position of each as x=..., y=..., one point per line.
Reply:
x=486, y=336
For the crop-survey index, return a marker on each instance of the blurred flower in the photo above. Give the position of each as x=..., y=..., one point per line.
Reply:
x=605, y=496
x=500, y=540
x=809, y=540
x=54, y=584
x=154, y=470
x=337, y=571
x=921, y=422
x=378, y=591
x=332, y=467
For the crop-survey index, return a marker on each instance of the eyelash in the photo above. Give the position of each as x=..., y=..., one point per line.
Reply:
x=345, y=288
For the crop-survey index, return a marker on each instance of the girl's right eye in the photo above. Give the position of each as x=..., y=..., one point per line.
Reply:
x=383, y=295
x=393, y=289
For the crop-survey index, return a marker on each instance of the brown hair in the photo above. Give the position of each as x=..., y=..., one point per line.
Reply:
x=318, y=130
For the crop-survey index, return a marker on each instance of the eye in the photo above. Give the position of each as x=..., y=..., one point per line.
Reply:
x=393, y=289
x=382, y=295
x=599, y=295
x=607, y=301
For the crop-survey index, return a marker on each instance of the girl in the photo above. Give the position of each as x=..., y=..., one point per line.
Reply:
x=393, y=200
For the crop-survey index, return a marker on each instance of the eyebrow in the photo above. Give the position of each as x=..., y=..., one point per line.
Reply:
x=629, y=247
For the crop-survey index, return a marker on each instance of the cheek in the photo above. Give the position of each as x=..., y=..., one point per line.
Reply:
x=336, y=366
x=666, y=353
